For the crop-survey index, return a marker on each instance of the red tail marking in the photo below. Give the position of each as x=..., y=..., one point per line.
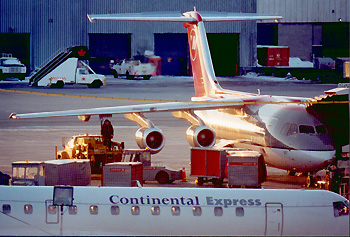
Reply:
x=195, y=59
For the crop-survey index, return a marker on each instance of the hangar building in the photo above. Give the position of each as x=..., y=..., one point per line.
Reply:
x=37, y=30
x=312, y=28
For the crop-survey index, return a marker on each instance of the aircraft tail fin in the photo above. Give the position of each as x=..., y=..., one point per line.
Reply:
x=205, y=82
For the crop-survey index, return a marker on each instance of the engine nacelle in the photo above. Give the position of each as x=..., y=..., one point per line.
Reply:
x=150, y=137
x=200, y=136
x=84, y=118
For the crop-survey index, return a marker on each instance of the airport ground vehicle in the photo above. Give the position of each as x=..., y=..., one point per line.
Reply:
x=133, y=68
x=67, y=67
x=161, y=174
x=241, y=167
x=72, y=71
x=91, y=147
x=52, y=172
x=323, y=69
x=11, y=67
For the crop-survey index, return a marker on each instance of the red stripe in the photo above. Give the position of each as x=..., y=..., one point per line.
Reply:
x=116, y=170
x=243, y=163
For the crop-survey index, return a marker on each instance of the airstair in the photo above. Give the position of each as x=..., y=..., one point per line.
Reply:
x=80, y=52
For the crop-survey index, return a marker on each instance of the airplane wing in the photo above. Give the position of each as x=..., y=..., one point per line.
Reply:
x=143, y=108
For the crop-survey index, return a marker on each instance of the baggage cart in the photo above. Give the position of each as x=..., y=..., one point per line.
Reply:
x=122, y=174
x=245, y=169
x=208, y=165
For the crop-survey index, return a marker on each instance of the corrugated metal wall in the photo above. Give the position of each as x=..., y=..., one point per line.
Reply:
x=306, y=10
x=57, y=24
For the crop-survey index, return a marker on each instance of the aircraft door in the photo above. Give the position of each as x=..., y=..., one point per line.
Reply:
x=274, y=219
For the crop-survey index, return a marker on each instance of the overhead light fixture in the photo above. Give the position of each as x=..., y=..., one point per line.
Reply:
x=63, y=196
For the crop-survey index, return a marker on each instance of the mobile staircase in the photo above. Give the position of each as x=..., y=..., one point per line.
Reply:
x=80, y=52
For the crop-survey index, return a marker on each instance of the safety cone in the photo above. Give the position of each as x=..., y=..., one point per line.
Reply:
x=183, y=175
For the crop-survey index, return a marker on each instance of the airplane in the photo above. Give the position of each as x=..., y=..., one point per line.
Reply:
x=30, y=210
x=279, y=127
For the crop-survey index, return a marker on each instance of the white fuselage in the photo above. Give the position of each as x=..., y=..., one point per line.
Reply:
x=263, y=131
x=174, y=211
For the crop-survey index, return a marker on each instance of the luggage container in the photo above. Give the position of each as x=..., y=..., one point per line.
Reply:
x=245, y=169
x=122, y=174
x=83, y=172
x=74, y=172
x=60, y=172
x=208, y=165
x=273, y=55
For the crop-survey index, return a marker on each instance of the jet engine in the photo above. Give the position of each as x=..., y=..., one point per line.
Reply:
x=150, y=137
x=84, y=118
x=200, y=136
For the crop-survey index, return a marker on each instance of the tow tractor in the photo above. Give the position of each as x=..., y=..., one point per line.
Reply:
x=75, y=172
x=161, y=174
x=91, y=147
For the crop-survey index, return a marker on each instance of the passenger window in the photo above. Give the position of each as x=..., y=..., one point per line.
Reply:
x=306, y=129
x=28, y=209
x=6, y=209
x=73, y=210
x=115, y=210
x=239, y=211
x=93, y=210
x=197, y=211
x=320, y=129
x=135, y=210
x=155, y=210
x=175, y=210
x=293, y=129
x=51, y=209
x=218, y=211
x=340, y=209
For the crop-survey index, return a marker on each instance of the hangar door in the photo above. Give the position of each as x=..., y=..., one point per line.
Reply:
x=267, y=34
x=104, y=47
x=173, y=49
x=335, y=38
x=18, y=44
x=224, y=52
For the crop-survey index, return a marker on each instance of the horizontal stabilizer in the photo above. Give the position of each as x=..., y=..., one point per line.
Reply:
x=178, y=17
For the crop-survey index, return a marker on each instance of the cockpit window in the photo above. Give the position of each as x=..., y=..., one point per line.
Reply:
x=306, y=129
x=290, y=129
x=285, y=128
x=320, y=129
x=340, y=209
x=293, y=129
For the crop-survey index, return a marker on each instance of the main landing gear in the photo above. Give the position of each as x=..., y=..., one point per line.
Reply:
x=311, y=180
